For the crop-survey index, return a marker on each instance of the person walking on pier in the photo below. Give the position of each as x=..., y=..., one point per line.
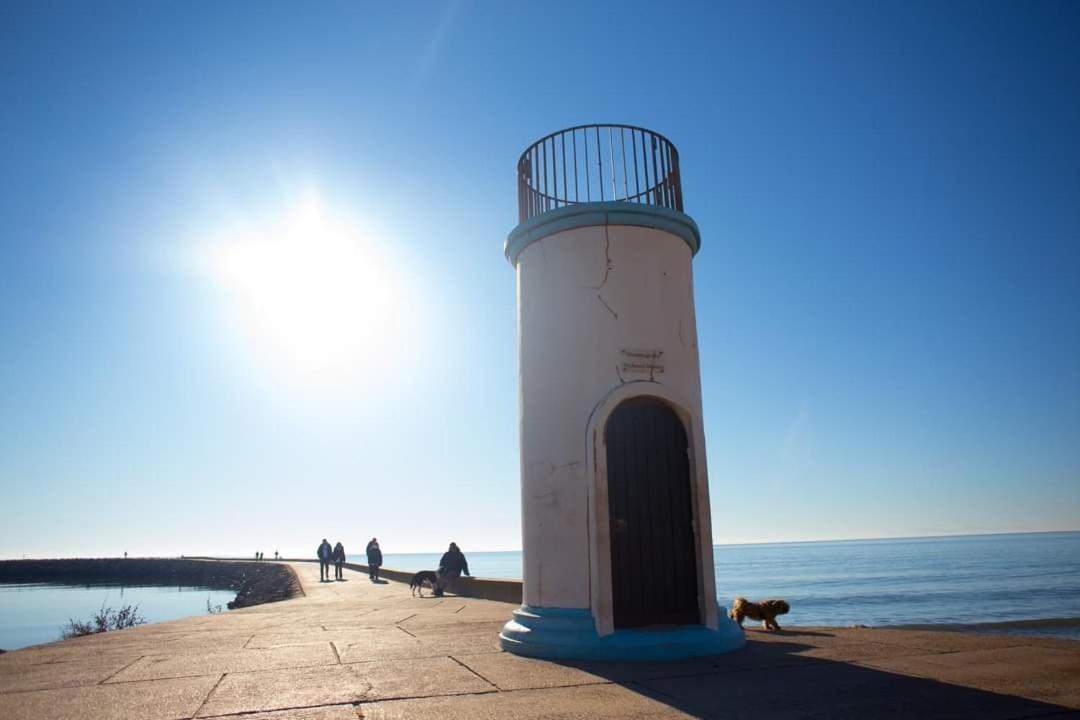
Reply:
x=324, y=552
x=452, y=564
x=374, y=559
x=339, y=560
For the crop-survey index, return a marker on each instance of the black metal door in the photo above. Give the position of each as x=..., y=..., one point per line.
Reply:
x=653, y=558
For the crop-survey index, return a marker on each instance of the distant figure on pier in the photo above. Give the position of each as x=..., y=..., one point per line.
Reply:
x=324, y=552
x=452, y=564
x=276, y=555
x=374, y=559
x=339, y=560
x=125, y=554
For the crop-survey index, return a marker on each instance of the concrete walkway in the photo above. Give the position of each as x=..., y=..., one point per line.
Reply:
x=354, y=649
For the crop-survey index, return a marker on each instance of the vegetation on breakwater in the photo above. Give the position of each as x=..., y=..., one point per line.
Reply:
x=253, y=582
x=104, y=620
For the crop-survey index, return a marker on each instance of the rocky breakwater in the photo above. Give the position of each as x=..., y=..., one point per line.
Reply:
x=253, y=582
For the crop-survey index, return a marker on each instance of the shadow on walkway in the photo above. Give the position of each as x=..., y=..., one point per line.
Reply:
x=770, y=679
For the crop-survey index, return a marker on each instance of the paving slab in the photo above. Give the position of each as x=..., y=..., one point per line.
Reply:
x=17, y=661
x=453, y=628
x=155, y=700
x=945, y=641
x=836, y=690
x=406, y=646
x=594, y=702
x=326, y=712
x=273, y=639
x=354, y=682
x=153, y=667
x=510, y=672
x=61, y=674
x=126, y=643
x=378, y=618
x=1047, y=674
x=774, y=654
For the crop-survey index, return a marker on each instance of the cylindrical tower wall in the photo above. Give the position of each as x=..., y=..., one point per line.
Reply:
x=599, y=306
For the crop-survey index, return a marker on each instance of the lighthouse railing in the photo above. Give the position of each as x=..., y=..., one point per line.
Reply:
x=598, y=163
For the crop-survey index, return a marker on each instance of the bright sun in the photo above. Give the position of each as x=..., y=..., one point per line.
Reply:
x=317, y=293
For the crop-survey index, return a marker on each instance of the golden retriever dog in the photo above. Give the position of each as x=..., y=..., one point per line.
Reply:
x=765, y=611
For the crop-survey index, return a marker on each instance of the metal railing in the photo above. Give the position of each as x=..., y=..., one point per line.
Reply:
x=598, y=163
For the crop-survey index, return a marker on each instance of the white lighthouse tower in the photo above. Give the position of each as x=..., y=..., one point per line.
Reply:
x=616, y=530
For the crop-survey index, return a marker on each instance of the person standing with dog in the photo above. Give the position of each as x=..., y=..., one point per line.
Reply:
x=339, y=560
x=324, y=552
x=452, y=565
x=374, y=559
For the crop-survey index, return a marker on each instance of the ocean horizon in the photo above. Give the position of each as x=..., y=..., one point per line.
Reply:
x=1006, y=578
x=891, y=538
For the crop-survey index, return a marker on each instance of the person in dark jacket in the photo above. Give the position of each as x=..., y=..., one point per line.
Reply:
x=339, y=560
x=374, y=559
x=324, y=552
x=452, y=565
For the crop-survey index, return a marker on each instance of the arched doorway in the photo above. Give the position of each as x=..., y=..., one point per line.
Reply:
x=653, y=557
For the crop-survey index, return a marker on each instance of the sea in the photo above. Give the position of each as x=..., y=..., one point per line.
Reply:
x=1021, y=583
x=1028, y=583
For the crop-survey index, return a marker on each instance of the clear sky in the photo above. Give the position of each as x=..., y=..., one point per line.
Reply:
x=887, y=293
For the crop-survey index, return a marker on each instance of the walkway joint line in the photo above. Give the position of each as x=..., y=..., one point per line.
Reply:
x=207, y=698
x=105, y=680
x=244, y=713
x=474, y=672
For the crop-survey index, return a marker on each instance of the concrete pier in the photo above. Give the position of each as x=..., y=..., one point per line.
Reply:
x=354, y=649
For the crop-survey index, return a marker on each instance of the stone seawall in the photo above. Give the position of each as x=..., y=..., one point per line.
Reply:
x=253, y=582
x=474, y=587
x=495, y=589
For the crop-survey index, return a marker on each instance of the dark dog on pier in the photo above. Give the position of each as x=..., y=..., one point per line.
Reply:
x=418, y=580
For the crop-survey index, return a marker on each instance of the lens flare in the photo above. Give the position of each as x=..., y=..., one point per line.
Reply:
x=317, y=294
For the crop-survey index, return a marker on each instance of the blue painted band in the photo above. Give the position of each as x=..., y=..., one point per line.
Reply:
x=601, y=213
x=570, y=633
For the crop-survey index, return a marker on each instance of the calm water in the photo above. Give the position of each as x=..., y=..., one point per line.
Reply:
x=34, y=613
x=974, y=579
x=989, y=578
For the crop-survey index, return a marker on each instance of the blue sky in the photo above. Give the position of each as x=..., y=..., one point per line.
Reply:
x=887, y=294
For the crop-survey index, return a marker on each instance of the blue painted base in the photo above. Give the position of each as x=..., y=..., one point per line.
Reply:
x=570, y=633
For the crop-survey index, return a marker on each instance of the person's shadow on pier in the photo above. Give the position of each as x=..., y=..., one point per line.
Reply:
x=772, y=678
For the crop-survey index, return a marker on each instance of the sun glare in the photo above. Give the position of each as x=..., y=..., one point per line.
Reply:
x=315, y=291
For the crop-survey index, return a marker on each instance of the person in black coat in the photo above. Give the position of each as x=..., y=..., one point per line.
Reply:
x=324, y=552
x=374, y=559
x=452, y=565
x=339, y=561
